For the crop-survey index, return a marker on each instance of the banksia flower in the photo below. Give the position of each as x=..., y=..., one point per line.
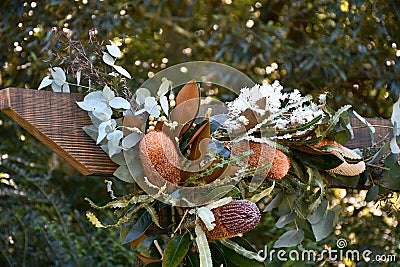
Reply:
x=345, y=168
x=236, y=217
x=264, y=154
x=160, y=158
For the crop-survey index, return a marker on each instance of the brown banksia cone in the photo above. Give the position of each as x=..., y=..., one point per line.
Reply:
x=262, y=155
x=236, y=217
x=160, y=158
x=345, y=169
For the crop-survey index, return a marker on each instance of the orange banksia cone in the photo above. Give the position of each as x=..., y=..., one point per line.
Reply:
x=160, y=158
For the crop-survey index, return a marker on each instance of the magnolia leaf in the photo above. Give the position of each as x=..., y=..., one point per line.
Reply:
x=290, y=238
x=187, y=105
x=131, y=140
x=58, y=75
x=207, y=217
x=113, y=142
x=65, y=88
x=199, y=146
x=119, y=103
x=164, y=104
x=324, y=227
x=113, y=49
x=122, y=173
x=45, y=82
x=105, y=128
x=56, y=88
x=122, y=71
x=108, y=59
x=394, y=147
x=164, y=88
x=395, y=118
x=107, y=93
x=241, y=250
x=286, y=219
x=141, y=95
x=131, y=122
x=176, y=250
x=318, y=213
x=78, y=77
x=217, y=255
x=321, y=161
x=372, y=193
x=202, y=245
x=141, y=225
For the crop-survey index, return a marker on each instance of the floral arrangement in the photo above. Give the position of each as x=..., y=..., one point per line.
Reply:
x=204, y=179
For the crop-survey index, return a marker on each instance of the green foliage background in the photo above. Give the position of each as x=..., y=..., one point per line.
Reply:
x=346, y=47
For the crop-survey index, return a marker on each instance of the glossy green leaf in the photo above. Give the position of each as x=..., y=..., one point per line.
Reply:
x=237, y=259
x=192, y=259
x=139, y=227
x=323, y=161
x=176, y=250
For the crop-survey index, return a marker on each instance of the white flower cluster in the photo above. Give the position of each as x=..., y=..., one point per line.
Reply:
x=268, y=99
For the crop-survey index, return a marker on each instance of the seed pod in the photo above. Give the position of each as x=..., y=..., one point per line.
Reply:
x=160, y=158
x=236, y=217
x=262, y=155
x=345, y=169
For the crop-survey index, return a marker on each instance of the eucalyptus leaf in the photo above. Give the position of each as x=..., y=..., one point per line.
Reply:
x=275, y=202
x=176, y=250
x=103, y=113
x=141, y=95
x=65, y=88
x=164, y=104
x=58, y=75
x=141, y=225
x=164, y=88
x=318, y=213
x=122, y=173
x=91, y=130
x=45, y=82
x=114, y=50
x=56, y=88
x=394, y=147
x=108, y=59
x=324, y=227
x=395, y=118
x=380, y=154
x=290, y=238
x=105, y=128
x=107, y=93
x=78, y=77
x=122, y=71
x=114, y=139
x=119, y=103
x=373, y=191
x=131, y=140
x=286, y=219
